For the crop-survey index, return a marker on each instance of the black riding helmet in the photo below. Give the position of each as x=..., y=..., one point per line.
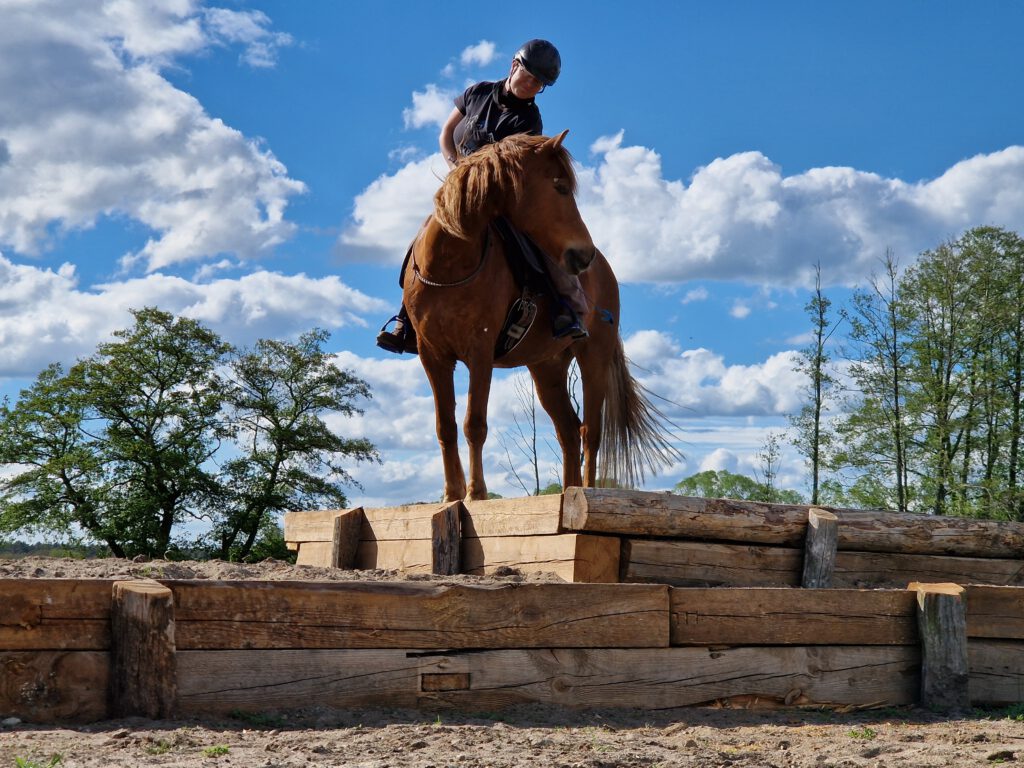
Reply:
x=541, y=60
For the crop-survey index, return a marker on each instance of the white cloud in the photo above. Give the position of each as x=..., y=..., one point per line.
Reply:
x=430, y=106
x=739, y=310
x=481, y=54
x=48, y=318
x=91, y=130
x=697, y=294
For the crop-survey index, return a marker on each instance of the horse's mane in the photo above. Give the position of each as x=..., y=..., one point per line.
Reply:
x=496, y=169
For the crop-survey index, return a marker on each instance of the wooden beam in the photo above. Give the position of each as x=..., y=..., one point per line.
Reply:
x=446, y=539
x=820, y=549
x=996, y=672
x=143, y=668
x=744, y=616
x=942, y=623
x=310, y=525
x=995, y=612
x=699, y=564
x=570, y=556
x=319, y=554
x=222, y=615
x=55, y=686
x=891, y=570
x=55, y=614
x=643, y=513
x=222, y=681
x=526, y=516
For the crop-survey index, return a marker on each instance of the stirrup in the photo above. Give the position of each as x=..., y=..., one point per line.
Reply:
x=397, y=342
x=567, y=323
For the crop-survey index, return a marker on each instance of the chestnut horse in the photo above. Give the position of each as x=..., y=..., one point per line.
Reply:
x=458, y=289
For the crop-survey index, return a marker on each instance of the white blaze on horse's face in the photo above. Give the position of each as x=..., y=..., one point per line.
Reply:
x=549, y=205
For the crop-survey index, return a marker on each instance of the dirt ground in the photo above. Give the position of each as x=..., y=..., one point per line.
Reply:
x=540, y=736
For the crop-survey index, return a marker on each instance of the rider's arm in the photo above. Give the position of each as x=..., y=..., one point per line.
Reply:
x=447, y=138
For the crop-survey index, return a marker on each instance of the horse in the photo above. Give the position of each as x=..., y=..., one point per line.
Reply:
x=458, y=289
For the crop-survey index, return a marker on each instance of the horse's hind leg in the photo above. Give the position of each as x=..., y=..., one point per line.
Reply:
x=441, y=376
x=550, y=378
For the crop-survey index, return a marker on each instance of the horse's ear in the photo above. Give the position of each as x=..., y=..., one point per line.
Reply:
x=555, y=141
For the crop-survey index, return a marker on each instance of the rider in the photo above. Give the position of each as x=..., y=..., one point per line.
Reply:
x=486, y=113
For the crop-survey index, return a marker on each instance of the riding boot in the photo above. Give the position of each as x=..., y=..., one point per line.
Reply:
x=402, y=338
x=567, y=323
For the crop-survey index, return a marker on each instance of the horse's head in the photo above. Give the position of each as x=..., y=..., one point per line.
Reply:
x=531, y=181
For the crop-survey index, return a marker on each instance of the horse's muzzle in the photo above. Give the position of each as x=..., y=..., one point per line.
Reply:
x=576, y=260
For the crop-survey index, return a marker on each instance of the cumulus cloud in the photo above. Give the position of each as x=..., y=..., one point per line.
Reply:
x=431, y=106
x=91, y=129
x=47, y=317
x=696, y=294
x=739, y=218
x=481, y=54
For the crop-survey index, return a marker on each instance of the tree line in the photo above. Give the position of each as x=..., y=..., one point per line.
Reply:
x=168, y=424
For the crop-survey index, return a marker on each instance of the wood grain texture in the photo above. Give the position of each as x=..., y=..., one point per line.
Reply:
x=700, y=564
x=996, y=672
x=942, y=624
x=415, y=615
x=876, y=570
x=143, y=675
x=995, y=612
x=820, y=549
x=527, y=516
x=743, y=616
x=446, y=540
x=55, y=686
x=642, y=678
x=55, y=614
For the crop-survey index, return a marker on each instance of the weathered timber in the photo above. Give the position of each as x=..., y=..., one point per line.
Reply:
x=407, y=555
x=143, y=668
x=996, y=671
x=345, y=539
x=573, y=557
x=446, y=540
x=316, y=553
x=726, y=616
x=942, y=624
x=54, y=614
x=642, y=513
x=526, y=516
x=222, y=681
x=995, y=612
x=310, y=525
x=893, y=570
x=820, y=549
x=699, y=564
x=55, y=686
x=219, y=615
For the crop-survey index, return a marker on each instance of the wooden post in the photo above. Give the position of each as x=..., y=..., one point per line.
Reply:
x=446, y=540
x=942, y=624
x=143, y=670
x=348, y=526
x=820, y=549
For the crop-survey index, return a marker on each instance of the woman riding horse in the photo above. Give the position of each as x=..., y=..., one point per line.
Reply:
x=488, y=112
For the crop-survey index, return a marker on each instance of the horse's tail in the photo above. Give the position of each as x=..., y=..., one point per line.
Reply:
x=634, y=437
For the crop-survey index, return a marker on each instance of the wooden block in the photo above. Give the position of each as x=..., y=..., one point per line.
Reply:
x=874, y=531
x=527, y=516
x=995, y=612
x=942, y=623
x=219, y=682
x=699, y=564
x=224, y=615
x=820, y=549
x=641, y=513
x=319, y=554
x=143, y=668
x=345, y=541
x=446, y=540
x=573, y=557
x=55, y=686
x=410, y=522
x=874, y=570
x=408, y=556
x=997, y=672
x=310, y=525
x=55, y=614
x=744, y=616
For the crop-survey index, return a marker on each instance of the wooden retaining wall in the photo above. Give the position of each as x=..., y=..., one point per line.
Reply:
x=607, y=535
x=86, y=650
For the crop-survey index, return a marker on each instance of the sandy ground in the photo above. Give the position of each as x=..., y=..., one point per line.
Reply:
x=538, y=736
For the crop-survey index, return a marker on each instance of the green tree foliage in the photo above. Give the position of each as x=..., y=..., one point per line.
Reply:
x=168, y=423
x=722, y=484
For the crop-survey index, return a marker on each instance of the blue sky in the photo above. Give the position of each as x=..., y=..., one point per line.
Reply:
x=261, y=166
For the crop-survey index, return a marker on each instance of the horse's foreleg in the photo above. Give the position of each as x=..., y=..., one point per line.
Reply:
x=441, y=376
x=594, y=361
x=475, y=426
x=550, y=378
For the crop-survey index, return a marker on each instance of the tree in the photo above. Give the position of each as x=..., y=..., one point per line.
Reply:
x=810, y=438
x=276, y=399
x=722, y=484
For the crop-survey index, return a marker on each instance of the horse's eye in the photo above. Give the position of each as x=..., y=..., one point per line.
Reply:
x=562, y=187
